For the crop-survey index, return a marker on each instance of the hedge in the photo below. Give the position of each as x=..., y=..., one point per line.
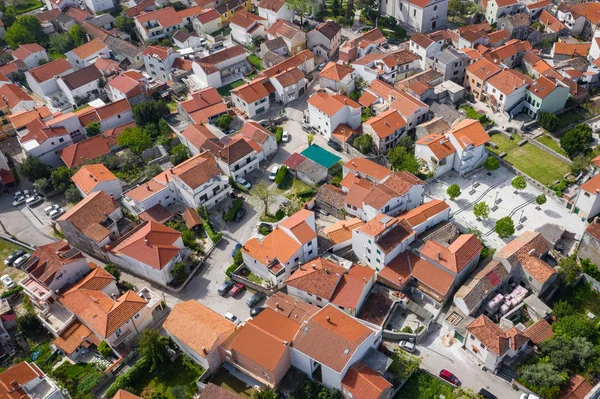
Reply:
x=235, y=206
x=11, y=292
x=139, y=370
x=231, y=269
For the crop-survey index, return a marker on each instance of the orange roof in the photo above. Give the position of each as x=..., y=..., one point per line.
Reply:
x=596, y=161
x=386, y=123
x=572, y=49
x=191, y=218
x=592, y=185
x=512, y=47
x=364, y=383
x=12, y=95
x=368, y=168
x=331, y=104
x=405, y=103
x=424, y=212
x=540, y=331
x=469, y=132
x=577, y=387
x=273, y=5
x=497, y=36
x=456, y=256
x=591, y=11
x=145, y=190
x=161, y=51
x=551, y=21
x=293, y=309
x=193, y=172
x=497, y=340
x=526, y=250
x=22, y=118
x=508, y=81
x=438, y=144
x=295, y=61
x=352, y=286
x=336, y=72
x=190, y=11
x=74, y=336
x=331, y=337
x=22, y=373
x=276, y=245
x=318, y=277
x=90, y=48
x=25, y=50
x=122, y=394
x=483, y=69
x=89, y=176
x=341, y=231
x=542, y=87
x=86, y=150
x=47, y=260
x=245, y=19
x=189, y=318
x=166, y=17
x=344, y=133
x=367, y=99
x=298, y=226
x=421, y=40
x=89, y=215
x=253, y=91
x=50, y=70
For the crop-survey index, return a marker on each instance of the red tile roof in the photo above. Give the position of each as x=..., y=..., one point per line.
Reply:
x=12, y=95
x=86, y=150
x=364, y=383
x=89, y=215
x=47, y=260
x=457, y=255
x=469, y=132
x=497, y=340
x=577, y=387
x=331, y=104
x=540, y=331
x=50, y=70
x=25, y=50
x=318, y=277
x=166, y=17
x=90, y=48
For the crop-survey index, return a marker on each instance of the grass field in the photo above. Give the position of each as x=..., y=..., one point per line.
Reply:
x=225, y=380
x=422, y=385
x=530, y=160
x=6, y=248
x=179, y=373
x=568, y=118
x=552, y=144
x=26, y=6
x=225, y=90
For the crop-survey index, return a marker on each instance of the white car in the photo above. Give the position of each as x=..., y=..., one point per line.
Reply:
x=530, y=396
x=274, y=170
x=55, y=214
x=7, y=281
x=21, y=261
x=243, y=182
x=19, y=200
x=285, y=137
x=407, y=346
x=33, y=200
x=232, y=318
x=51, y=208
x=24, y=193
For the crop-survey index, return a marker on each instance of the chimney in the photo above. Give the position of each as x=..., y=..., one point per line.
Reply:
x=438, y=255
x=276, y=305
x=146, y=241
x=328, y=319
x=353, y=164
x=15, y=385
x=204, y=350
x=268, y=261
x=171, y=170
x=285, y=343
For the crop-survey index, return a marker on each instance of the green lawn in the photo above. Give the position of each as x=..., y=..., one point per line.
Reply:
x=291, y=183
x=224, y=90
x=552, y=144
x=530, y=160
x=422, y=385
x=79, y=379
x=45, y=358
x=257, y=62
x=179, y=373
x=225, y=380
x=25, y=6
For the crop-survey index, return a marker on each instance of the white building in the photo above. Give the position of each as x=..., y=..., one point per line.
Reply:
x=30, y=54
x=337, y=77
x=327, y=111
x=506, y=90
x=155, y=25
x=499, y=8
x=273, y=10
x=95, y=6
x=253, y=98
x=27, y=380
x=158, y=61
x=325, y=39
x=43, y=80
x=81, y=86
x=386, y=129
x=97, y=177
x=86, y=54
x=420, y=15
x=426, y=48
x=588, y=199
x=16, y=98
x=43, y=142
x=216, y=69
x=261, y=136
x=389, y=67
x=246, y=26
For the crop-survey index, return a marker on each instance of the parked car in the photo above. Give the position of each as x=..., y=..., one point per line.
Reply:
x=530, y=396
x=243, y=182
x=232, y=318
x=239, y=215
x=24, y=193
x=235, y=249
x=33, y=200
x=7, y=281
x=21, y=261
x=237, y=289
x=407, y=346
x=256, y=311
x=51, y=208
x=225, y=287
x=254, y=299
x=10, y=259
x=55, y=214
x=487, y=394
x=335, y=145
x=448, y=376
x=285, y=137
x=19, y=200
x=274, y=170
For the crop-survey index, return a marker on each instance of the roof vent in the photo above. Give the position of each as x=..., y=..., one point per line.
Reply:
x=346, y=351
x=328, y=318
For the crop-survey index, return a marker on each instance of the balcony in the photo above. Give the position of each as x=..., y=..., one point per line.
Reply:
x=55, y=317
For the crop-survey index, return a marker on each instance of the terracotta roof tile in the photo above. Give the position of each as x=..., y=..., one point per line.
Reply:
x=591, y=11
x=508, y=81
x=386, y=123
x=352, y=286
x=48, y=259
x=86, y=150
x=364, y=383
x=572, y=49
x=336, y=72
x=540, y=331
x=469, y=132
x=145, y=190
x=292, y=308
x=90, y=48
x=12, y=95
x=457, y=255
x=74, y=336
x=438, y=144
x=272, y=5
x=319, y=277
x=497, y=340
x=577, y=387
x=21, y=373
x=166, y=17
x=331, y=104
x=191, y=218
x=341, y=231
x=122, y=394
x=50, y=70
x=22, y=118
x=25, y=50
x=368, y=168
x=483, y=69
x=89, y=215
x=212, y=391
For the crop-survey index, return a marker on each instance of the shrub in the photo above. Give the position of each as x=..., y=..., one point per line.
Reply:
x=577, y=139
x=491, y=163
x=519, y=183
x=407, y=329
x=179, y=273
x=72, y=195
x=113, y=271
x=129, y=378
x=540, y=199
x=189, y=239
x=235, y=206
x=223, y=121
x=281, y=174
x=364, y=143
x=547, y=120
x=231, y=269
x=505, y=227
x=453, y=191
x=104, y=349
x=280, y=214
x=11, y=292
x=28, y=323
x=278, y=134
x=263, y=230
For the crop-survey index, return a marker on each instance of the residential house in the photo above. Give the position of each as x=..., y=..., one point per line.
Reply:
x=155, y=25
x=253, y=98
x=421, y=16
x=103, y=21
x=81, y=86
x=546, y=95
x=477, y=75
x=184, y=322
x=43, y=80
x=325, y=39
x=188, y=14
x=480, y=288
x=339, y=233
x=292, y=35
x=366, y=169
x=272, y=10
x=562, y=51
x=337, y=77
x=436, y=151
x=261, y=136
x=292, y=243
x=204, y=106
x=6, y=175
x=552, y=24
x=472, y=36
x=510, y=54
x=149, y=251
x=92, y=223
x=224, y=65
x=516, y=25
x=322, y=281
x=96, y=177
x=533, y=9
x=25, y=380
x=41, y=141
x=328, y=111
x=425, y=47
x=275, y=46
x=245, y=27
x=452, y=64
x=386, y=129
x=589, y=248
x=506, y=90
x=107, y=66
x=289, y=85
x=362, y=379
x=211, y=391
x=209, y=20
x=361, y=45
x=96, y=6
x=130, y=85
x=30, y=55
x=582, y=19
x=389, y=67
x=587, y=201
x=329, y=343
x=183, y=39
x=499, y=8
x=15, y=98
x=293, y=309
x=86, y=150
x=86, y=54
x=197, y=181
x=158, y=61
x=468, y=138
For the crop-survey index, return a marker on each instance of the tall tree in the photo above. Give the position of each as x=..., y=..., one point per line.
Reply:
x=18, y=34
x=78, y=34
x=135, y=139
x=505, y=227
x=61, y=178
x=61, y=43
x=403, y=159
x=349, y=11
x=481, y=210
x=335, y=7
x=150, y=112
x=153, y=348
x=33, y=169
x=264, y=193
x=93, y=129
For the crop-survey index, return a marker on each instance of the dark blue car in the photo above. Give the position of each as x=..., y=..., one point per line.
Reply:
x=237, y=246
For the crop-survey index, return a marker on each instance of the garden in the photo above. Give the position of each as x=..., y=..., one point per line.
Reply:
x=226, y=90
x=423, y=385
x=79, y=379
x=529, y=159
x=549, y=142
x=226, y=380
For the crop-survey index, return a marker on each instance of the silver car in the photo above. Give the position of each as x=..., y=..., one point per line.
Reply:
x=232, y=318
x=7, y=281
x=51, y=208
x=407, y=346
x=21, y=261
x=55, y=214
x=243, y=182
x=20, y=200
x=33, y=200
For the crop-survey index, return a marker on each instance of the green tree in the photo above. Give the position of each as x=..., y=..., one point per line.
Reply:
x=153, y=348
x=72, y=195
x=179, y=273
x=349, y=11
x=179, y=153
x=580, y=163
x=9, y=18
x=355, y=95
x=189, y=239
x=33, y=169
x=150, y=112
x=576, y=325
x=547, y=120
x=575, y=140
x=542, y=375
x=101, y=83
x=29, y=323
x=569, y=353
x=93, y=129
x=302, y=8
x=264, y=193
x=481, y=210
x=265, y=393
x=335, y=7
x=491, y=163
x=310, y=138
x=464, y=393
x=113, y=271
x=61, y=178
x=453, y=191
x=589, y=268
x=179, y=391
x=42, y=185
x=125, y=24
x=366, y=114
x=569, y=271
x=364, y=143
x=18, y=34
x=562, y=308
x=61, y=43
x=281, y=174
x=519, y=183
x=104, y=349
x=540, y=199
x=163, y=127
x=152, y=170
x=456, y=7
x=78, y=34
x=403, y=159
x=368, y=5
x=223, y=122
x=135, y=139
x=403, y=364
x=178, y=6
x=505, y=227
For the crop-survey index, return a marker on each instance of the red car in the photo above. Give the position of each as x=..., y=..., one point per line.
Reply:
x=235, y=291
x=448, y=376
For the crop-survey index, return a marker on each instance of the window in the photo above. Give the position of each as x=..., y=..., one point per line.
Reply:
x=586, y=194
x=296, y=259
x=378, y=252
x=414, y=13
x=482, y=346
x=455, y=73
x=368, y=250
x=370, y=242
x=435, y=8
x=137, y=315
x=61, y=140
x=309, y=243
x=378, y=261
x=118, y=332
x=401, y=6
x=310, y=252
